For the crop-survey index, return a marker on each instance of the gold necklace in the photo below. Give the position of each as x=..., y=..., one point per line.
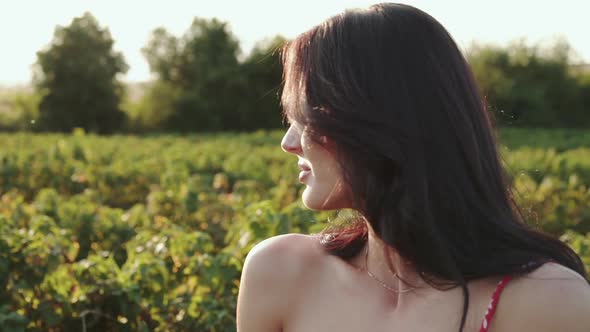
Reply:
x=381, y=282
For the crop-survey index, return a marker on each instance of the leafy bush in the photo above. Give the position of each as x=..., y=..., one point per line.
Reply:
x=150, y=234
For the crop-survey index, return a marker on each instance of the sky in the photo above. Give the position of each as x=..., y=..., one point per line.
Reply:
x=27, y=26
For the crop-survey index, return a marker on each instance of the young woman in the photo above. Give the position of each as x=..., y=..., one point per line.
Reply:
x=386, y=120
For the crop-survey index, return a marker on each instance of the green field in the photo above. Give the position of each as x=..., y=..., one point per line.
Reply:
x=128, y=233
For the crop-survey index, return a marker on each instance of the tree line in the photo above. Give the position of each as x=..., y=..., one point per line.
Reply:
x=203, y=84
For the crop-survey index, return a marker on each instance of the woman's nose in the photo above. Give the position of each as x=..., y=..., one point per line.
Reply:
x=290, y=144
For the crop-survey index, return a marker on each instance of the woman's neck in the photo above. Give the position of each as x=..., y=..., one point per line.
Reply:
x=373, y=257
x=376, y=261
x=377, y=266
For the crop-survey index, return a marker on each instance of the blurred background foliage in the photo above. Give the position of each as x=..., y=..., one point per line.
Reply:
x=533, y=86
x=203, y=82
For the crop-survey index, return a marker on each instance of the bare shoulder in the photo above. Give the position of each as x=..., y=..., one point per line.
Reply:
x=551, y=298
x=274, y=274
x=294, y=253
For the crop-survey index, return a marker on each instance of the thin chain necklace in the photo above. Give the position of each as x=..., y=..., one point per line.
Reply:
x=381, y=282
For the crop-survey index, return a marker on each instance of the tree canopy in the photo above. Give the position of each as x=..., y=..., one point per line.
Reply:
x=77, y=76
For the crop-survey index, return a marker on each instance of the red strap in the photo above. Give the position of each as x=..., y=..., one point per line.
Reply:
x=493, y=303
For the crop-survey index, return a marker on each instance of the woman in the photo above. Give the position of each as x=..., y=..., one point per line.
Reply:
x=386, y=120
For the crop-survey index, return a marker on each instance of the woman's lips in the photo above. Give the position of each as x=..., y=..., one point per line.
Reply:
x=303, y=167
x=305, y=170
x=303, y=175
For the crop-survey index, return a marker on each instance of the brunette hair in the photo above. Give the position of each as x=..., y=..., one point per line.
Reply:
x=416, y=145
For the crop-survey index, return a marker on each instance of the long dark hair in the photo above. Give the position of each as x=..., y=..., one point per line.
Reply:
x=416, y=144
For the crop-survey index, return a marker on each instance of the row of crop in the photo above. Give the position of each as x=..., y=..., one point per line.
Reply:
x=70, y=262
x=559, y=139
x=142, y=234
x=174, y=262
x=123, y=170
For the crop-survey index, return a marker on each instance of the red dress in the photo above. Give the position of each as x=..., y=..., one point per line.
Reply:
x=496, y=297
x=494, y=303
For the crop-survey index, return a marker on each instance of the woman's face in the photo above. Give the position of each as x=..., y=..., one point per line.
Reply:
x=324, y=186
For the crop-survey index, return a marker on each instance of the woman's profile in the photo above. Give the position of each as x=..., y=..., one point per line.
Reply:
x=386, y=120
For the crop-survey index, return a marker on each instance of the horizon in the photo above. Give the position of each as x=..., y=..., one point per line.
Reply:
x=467, y=22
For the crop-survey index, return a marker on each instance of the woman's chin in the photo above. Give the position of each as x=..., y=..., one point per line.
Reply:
x=314, y=203
x=316, y=196
x=309, y=201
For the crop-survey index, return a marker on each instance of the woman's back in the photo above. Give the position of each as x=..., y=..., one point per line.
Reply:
x=315, y=291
